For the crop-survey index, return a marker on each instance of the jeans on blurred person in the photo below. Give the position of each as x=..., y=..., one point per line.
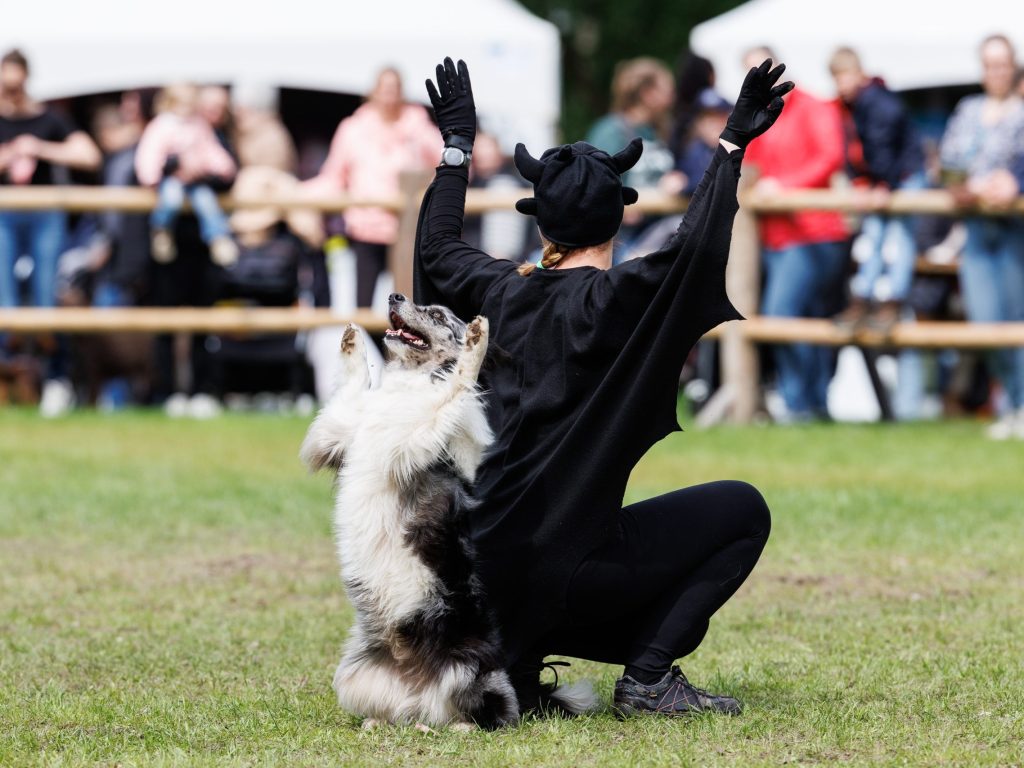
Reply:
x=40, y=234
x=992, y=286
x=117, y=393
x=897, y=234
x=800, y=281
x=171, y=194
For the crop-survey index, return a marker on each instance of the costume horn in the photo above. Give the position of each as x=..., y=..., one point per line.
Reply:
x=527, y=206
x=627, y=158
x=530, y=167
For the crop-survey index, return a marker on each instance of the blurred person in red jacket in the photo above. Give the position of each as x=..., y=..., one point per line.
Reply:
x=368, y=154
x=805, y=253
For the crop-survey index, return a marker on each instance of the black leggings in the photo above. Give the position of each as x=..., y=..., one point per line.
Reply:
x=645, y=597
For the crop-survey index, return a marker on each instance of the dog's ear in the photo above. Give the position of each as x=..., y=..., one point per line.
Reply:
x=323, y=446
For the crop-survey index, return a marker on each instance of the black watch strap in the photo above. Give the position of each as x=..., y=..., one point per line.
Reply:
x=459, y=142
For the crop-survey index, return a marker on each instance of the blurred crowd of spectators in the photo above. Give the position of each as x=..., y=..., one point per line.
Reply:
x=863, y=270
x=191, y=143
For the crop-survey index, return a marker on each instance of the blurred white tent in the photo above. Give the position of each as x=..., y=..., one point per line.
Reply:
x=79, y=47
x=911, y=43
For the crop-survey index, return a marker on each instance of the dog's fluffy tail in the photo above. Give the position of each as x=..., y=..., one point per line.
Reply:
x=576, y=699
x=491, y=700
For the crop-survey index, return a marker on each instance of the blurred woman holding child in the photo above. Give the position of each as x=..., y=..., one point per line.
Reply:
x=180, y=155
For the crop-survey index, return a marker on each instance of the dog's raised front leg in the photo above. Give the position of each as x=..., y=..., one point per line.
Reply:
x=355, y=372
x=474, y=349
x=331, y=432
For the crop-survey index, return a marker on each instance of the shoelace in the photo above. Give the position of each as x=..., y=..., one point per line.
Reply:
x=677, y=672
x=551, y=665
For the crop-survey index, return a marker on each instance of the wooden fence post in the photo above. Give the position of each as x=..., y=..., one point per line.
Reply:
x=738, y=397
x=412, y=184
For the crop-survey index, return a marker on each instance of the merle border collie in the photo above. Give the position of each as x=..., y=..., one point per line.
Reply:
x=424, y=648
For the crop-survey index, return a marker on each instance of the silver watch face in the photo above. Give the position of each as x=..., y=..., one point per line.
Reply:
x=453, y=156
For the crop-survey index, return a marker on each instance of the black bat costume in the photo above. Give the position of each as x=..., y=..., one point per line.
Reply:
x=591, y=386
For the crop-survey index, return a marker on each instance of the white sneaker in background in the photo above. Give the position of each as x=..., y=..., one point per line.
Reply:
x=223, y=251
x=176, y=406
x=1009, y=425
x=203, y=406
x=162, y=247
x=305, y=405
x=57, y=399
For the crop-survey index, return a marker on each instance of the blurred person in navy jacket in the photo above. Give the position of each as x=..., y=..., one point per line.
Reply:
x=883, y=153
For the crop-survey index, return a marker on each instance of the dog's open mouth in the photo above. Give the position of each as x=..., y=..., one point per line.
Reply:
x=401, y=331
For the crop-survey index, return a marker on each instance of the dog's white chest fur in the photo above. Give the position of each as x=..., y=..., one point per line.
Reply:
x=385, y=439
x=395, y=433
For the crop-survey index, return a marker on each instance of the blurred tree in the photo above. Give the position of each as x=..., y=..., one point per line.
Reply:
x=596, y=34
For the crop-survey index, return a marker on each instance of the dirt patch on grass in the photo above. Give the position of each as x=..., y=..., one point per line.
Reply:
x=958, y=585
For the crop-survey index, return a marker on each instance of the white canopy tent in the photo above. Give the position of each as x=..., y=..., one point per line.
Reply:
x=911, y=43
x=79, y=47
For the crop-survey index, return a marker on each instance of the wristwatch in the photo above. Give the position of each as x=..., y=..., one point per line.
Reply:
x=455, y=157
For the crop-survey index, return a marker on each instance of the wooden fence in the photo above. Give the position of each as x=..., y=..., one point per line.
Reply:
x=738, y=399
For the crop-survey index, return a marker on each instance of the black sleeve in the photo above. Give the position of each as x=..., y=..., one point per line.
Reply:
x=445, y=269
x=701, y=241
x=58, y=127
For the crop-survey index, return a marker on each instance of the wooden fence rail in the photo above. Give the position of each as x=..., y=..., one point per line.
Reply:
x=740, y=361
x=237, y=320
x=80, y=199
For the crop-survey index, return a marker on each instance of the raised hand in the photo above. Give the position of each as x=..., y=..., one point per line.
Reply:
x=759, y=104
x=452, y=100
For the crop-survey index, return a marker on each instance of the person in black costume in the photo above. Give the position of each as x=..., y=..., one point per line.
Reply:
x=594, y=357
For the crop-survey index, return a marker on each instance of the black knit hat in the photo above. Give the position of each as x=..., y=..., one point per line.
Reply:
x=578, y=193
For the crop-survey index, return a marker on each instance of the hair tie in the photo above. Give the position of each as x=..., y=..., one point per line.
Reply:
x=540, y=264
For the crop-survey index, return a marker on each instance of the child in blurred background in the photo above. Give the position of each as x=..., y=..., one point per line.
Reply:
x=179, y=154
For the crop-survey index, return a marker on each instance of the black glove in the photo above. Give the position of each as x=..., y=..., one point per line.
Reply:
x=759, y=104
x=453, y=106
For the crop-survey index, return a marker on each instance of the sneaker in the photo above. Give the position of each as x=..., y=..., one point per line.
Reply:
x=673, y=695
x=162, y=247
x=884, y=319
x=176, y=406
x=57, y=399
x=854, y=316
x=203, y=406
x=223, y=251
x=1009, y=426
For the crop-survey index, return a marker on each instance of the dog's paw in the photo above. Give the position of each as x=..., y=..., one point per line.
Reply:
x=477, y=332
x=463, y=727
x=474, y=348
x=351, y=339
x=371, y=724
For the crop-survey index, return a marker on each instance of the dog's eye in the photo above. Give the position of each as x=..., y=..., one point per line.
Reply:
x=437, y=315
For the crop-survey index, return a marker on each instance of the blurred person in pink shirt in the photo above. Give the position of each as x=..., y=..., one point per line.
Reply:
x=368, y=153
x=180, y=155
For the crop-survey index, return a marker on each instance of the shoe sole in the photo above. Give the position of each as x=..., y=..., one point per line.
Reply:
x=625, y=711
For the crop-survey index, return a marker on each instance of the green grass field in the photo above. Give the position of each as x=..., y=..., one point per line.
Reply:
x=169, y=596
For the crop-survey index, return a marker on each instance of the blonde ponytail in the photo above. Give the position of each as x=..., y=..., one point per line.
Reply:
x=553, y=253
